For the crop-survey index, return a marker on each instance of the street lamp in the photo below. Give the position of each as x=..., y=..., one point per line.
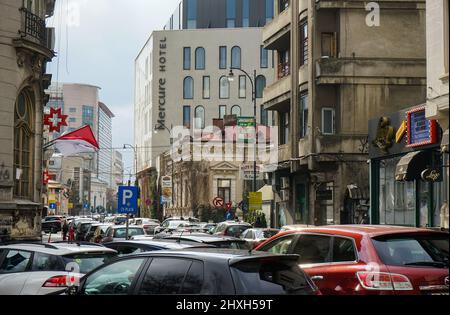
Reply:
x=253, y=82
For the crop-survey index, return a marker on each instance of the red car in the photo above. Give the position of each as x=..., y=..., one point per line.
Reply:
x=363, y=259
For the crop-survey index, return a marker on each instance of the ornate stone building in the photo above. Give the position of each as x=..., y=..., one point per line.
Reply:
x=25, y=49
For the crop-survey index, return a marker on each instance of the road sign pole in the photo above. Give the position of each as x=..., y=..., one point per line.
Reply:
x=126, y=229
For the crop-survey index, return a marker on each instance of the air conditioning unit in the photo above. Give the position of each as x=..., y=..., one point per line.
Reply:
x=50, y=38
x=284, y=182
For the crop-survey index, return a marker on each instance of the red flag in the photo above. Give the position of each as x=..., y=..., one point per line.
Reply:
x=78, y=141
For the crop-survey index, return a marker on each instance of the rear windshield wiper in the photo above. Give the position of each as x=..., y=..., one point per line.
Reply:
x=428, y=263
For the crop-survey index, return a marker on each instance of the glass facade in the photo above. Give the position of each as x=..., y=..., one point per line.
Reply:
x=269, y=10
x=88, y=116
x=231, y=13
x=245, y=13
x=191, y=14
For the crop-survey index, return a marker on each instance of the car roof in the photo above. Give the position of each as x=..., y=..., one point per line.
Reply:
x=124, y=227
x=235, y=223
x=197, y=237
x=59, y=249
x=167, y=244
x=362, y=230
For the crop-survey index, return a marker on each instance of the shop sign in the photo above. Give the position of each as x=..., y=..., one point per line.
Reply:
x=421, y=131
x=248, y=172
x=385, y=135
x=401, y=131
x=166, y=185
x=324, y=195
x=431, y=175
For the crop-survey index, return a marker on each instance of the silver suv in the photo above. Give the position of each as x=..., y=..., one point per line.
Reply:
x=40, y=269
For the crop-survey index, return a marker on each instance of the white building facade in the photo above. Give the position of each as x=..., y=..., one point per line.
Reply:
x=181, y=79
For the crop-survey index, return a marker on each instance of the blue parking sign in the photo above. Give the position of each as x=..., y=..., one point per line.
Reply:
x=128, y=200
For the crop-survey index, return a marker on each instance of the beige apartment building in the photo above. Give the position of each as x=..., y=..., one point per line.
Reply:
x=25, y=49
x=339, y=64
x=437, y=83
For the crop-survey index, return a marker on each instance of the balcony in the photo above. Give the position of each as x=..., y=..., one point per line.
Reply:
x=276, y=34
x=277, y=95
x=34, y=35
x=370, y=71
x=284, y=69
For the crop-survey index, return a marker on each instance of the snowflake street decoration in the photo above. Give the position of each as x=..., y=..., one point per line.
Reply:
x=55, y=120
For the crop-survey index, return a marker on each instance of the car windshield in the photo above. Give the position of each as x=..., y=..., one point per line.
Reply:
x=120, y=233
x=270, y=276
x=413, y=250
x=174, y=224
x=237, y=230
x=88, y=261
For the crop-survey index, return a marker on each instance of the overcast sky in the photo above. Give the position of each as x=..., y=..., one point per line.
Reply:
x=104, y=38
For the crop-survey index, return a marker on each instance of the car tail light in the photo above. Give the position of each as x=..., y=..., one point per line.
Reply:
x=60, y=281
x=371, y=280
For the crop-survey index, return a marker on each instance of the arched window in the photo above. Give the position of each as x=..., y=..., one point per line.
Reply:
x=236, y=110
x=23, y=145
x=224, y=87
x=200, y=58
x=260, y=85
x=199, y=117
x=188, y=88
x=236, y=57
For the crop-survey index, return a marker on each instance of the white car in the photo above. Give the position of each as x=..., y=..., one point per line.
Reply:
x=41, y=269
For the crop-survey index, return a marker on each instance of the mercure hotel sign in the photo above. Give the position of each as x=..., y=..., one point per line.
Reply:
x=162, y=84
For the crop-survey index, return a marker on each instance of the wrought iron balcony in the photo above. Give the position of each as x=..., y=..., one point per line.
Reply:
x=33, y=27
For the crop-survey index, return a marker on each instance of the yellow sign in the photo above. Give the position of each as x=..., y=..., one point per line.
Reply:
x=255, y=201
x=70, y=205
x=401, y=131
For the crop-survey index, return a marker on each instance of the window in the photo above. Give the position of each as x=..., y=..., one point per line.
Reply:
x=260, y=86
x=224, y=189
x=15, y=261
x=280, y=245
x=303, y=115
x=199, y=117
x=313, y=249
x=200, y=58
x=45, y=262
x=304, y=43
x=242, y=86
x=72, y=120
x=264, y=116
x=224, y=84
x=222, y=57
x=284, y=67
x=88, y=116
x=191, y=14
x=187, y=116
x=188, y=88
x=236, y=110
x=72, y=110
x=328, y=125
x=283, y=5
x=284, y=128
x=236, y=57
x=115, y=279
x=206, y=87
x=187, y=58
x=269, y=11
x=193, y=282
x=245, y=13
x=329, y=45
x=222, y=111
x=23, y=145
x=231, y=13
x=343, y=250
x=264, y=57
x=165, y=276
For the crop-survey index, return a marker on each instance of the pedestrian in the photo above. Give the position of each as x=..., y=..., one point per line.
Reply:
x=65, y=230
x=71, y=233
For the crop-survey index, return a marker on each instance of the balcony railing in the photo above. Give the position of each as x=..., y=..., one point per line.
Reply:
x=33, y=26
x=284, y=69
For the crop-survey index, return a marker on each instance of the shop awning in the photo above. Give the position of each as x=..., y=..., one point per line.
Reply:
x=412, y=165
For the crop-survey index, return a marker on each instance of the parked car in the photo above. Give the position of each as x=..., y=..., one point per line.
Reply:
x=201, y=271
x=93, y=228
x=363, y=259
x=232, y=228
x=82, y=229
x=254, y=237
x=124, y=248
x=207, y=239
x=118, y=233
x=52, y=224
x=39, y=269
x=172, y=225
x=149, y=225
x=294, y=227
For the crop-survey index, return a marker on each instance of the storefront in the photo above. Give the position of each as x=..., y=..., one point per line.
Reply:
x=407, y=185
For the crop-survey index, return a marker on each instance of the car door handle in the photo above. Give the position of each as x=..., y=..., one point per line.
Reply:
x=316, y=278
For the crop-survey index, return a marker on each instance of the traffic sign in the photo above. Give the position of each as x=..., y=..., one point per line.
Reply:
x=52, y=206
x=229, y=205
x=218, y=202
x=255, y=200
x=128, y=200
